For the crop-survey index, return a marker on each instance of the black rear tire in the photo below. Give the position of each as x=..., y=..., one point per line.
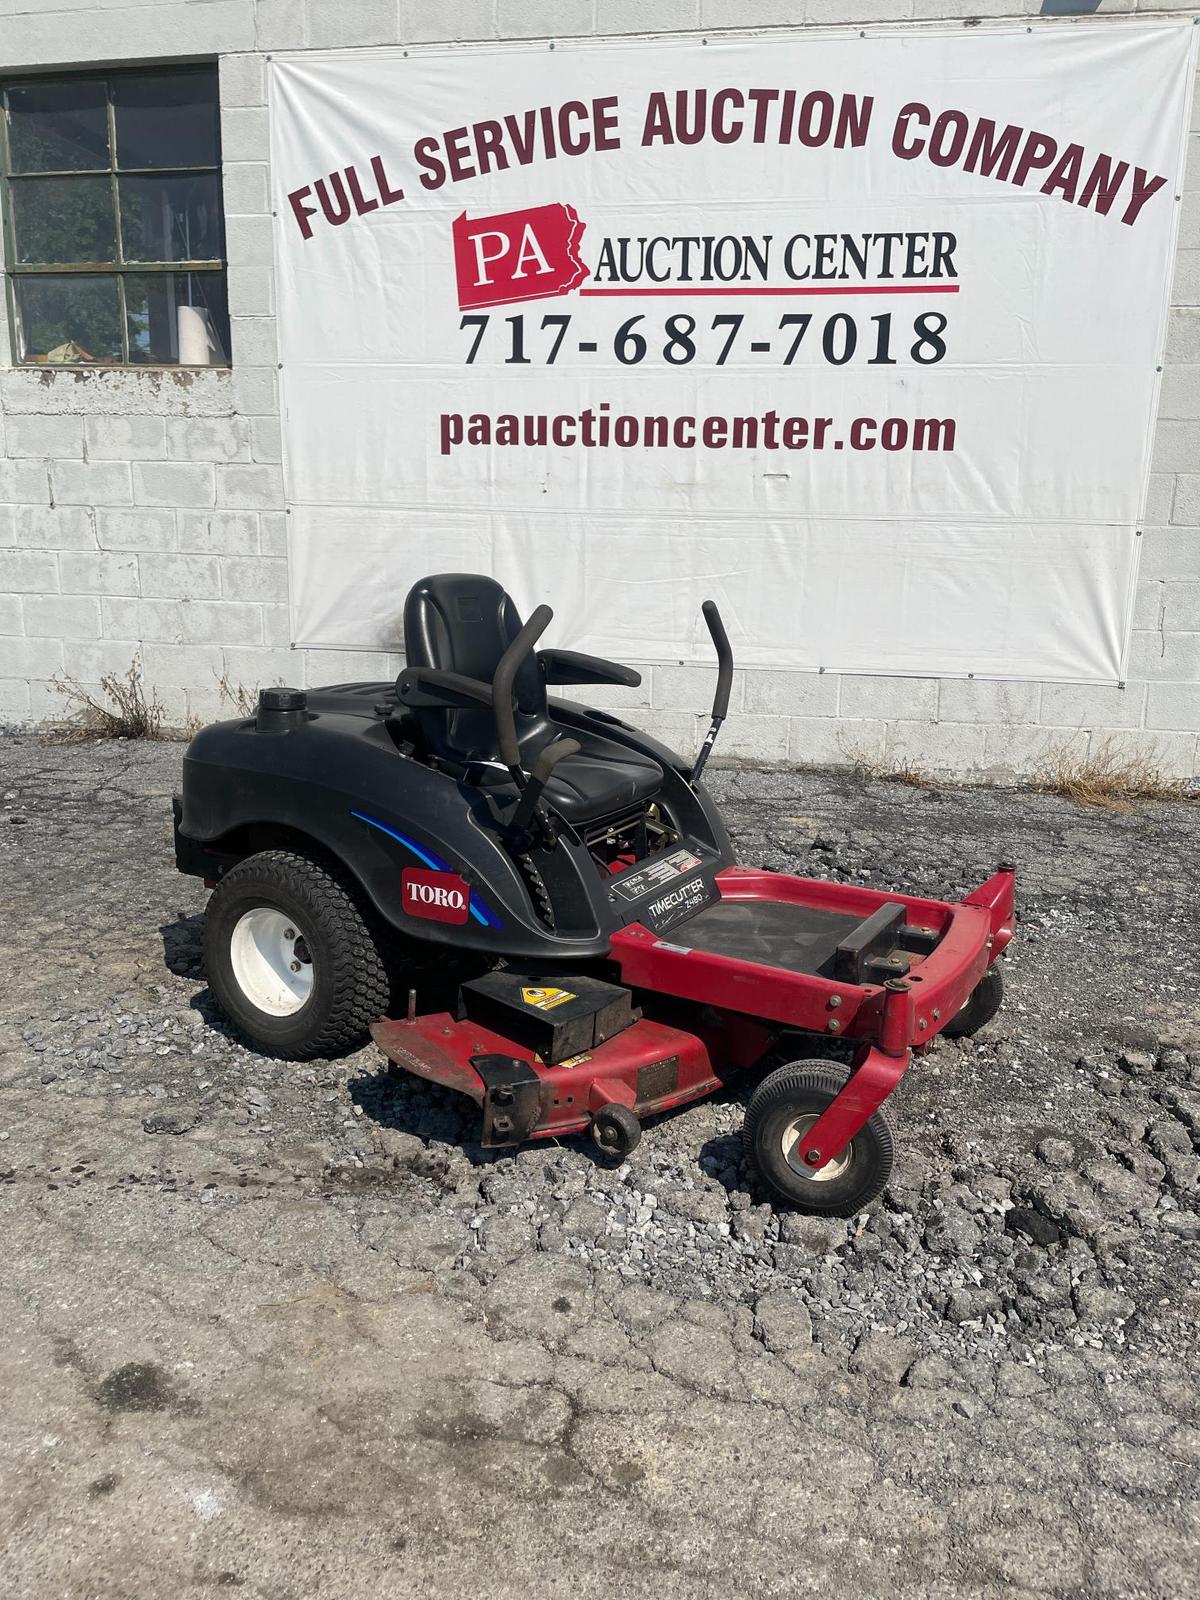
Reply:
x=348, y=985
x=980, y=1006
x=843, y=1186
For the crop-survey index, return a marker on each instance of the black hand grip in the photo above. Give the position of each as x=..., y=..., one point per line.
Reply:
x=720, y=641
x=502, y=684
x=551, y=755
x=531, y=795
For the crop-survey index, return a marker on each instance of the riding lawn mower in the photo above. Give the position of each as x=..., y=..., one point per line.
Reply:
x=529, y=901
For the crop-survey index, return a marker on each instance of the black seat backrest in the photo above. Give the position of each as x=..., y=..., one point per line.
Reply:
x=463, y=622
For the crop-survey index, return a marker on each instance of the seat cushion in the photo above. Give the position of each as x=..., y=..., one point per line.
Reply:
x=603, y=778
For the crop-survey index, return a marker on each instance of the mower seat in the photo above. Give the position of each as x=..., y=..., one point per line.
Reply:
x=462, y=622
x=602, y=779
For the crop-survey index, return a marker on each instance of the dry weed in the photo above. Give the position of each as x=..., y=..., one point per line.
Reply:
x=1109, y=776
x=122, y=709
x=242, y=701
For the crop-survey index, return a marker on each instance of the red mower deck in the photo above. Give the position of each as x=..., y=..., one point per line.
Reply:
x=746, y=999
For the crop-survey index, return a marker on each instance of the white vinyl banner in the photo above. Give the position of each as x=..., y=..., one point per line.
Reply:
x=858, y=336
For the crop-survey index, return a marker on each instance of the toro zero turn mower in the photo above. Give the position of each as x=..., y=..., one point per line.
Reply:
x=529, y=901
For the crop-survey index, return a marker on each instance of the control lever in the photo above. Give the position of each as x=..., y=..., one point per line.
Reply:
x=502, y=691
x=720, y=708
x=548, y=758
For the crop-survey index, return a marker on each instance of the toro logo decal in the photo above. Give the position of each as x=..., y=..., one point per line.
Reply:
x=438, y=896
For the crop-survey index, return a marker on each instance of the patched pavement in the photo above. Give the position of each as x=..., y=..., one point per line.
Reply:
x=287, y=1331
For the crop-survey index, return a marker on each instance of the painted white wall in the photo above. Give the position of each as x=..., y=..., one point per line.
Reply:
x=142, y=512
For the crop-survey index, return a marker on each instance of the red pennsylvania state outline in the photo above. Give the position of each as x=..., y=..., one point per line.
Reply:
x=531, y=254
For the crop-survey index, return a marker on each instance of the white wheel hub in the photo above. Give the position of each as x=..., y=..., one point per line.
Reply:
x=271, y=963
x=792, y=1144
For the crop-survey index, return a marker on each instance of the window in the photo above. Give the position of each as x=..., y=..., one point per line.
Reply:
x=113, y=225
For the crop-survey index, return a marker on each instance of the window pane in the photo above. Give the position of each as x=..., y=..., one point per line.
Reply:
x=63, y=220
x=167, y=120
x=58, y=127
x=69, y=318
x=178, y=317
x=171, y=219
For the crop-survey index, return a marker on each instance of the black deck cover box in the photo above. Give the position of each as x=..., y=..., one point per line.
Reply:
x=555, y=1016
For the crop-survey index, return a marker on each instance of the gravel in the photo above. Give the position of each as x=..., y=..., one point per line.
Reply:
x=995, y=1367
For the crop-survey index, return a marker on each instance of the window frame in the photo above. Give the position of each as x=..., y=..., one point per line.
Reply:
x=118, y=268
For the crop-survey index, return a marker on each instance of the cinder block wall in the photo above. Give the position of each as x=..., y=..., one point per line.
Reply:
x=143, y=511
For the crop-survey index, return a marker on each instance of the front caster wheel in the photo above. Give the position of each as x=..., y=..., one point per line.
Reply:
x=980, y=1006
x=291, y=959
x=615, y=1131
x=782, y=1109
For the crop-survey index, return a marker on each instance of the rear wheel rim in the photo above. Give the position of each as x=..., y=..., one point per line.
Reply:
x=271, y=962
x=792, y=1143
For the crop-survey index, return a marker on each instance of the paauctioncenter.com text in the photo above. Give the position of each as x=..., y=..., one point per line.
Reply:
x=598, y=428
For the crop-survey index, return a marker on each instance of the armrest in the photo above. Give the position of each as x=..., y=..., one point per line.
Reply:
x=568, y=666
x=425, y=687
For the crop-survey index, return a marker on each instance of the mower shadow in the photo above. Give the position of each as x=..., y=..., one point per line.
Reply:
x=183, y=955
x=412, y=1105
x=395, y=1100
x=720, y=1157
x=182, y=952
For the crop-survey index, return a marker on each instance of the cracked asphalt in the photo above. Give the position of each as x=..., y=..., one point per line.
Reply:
x=288, y=1331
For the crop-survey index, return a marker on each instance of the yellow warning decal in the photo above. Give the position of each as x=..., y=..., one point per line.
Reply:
x=574, y=1061
x=546, y=999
